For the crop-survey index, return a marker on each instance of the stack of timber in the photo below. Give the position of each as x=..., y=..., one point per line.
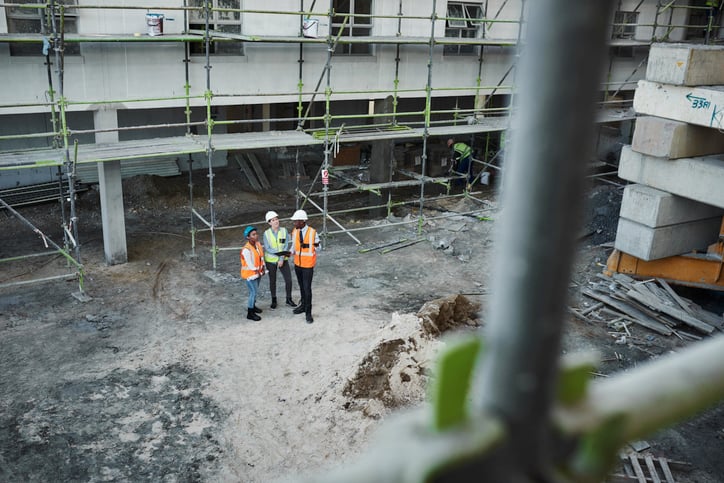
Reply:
x=252, y=171
x=676, y=157
x=621, y=301
x=642, y=468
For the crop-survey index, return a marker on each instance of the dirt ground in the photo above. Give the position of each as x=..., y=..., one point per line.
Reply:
x=160, y=377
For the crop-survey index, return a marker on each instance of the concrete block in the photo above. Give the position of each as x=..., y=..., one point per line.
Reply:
x=665, y=138
x=700, y=179
x=703, y=106
x=655, y=208
x=686, y=64
x=649, y=243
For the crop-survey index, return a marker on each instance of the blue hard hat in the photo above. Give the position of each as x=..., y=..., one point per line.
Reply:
x=248, y=230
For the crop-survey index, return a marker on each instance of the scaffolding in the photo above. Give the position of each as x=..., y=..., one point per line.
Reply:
x=327, y=130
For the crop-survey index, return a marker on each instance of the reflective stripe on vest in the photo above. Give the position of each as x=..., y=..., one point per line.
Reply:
x=305, y=256
x=258, y=253
x=462, y=149
x=277, y=243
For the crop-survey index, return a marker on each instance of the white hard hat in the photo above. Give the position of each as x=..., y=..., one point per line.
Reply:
x=270, y=214
x=299, y=215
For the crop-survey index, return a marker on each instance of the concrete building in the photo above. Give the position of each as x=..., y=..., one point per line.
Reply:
x=190, y=81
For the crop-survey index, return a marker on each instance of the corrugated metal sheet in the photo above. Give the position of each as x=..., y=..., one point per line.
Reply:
x=88, y=173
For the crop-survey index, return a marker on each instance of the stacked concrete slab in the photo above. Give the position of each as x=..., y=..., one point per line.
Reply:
x=676, y=157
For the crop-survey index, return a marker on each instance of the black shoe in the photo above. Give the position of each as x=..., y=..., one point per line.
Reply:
x=256, y=310
x=310, y=319
x=251, y=315
x=291, y=303
x=299, y=309
x=274, y=303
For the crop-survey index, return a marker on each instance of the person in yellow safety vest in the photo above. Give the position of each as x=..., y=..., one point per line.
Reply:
x=305, y=243
x=277, y=247
x=461, y=153
x=252, y=268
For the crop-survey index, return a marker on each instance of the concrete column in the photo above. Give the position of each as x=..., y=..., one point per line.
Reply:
x=109, y=176
x=381, y=156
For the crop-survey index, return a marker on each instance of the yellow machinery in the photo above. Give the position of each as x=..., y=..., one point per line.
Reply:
x=705, y=270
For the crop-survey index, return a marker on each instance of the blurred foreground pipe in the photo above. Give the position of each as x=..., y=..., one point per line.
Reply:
x=542, y=196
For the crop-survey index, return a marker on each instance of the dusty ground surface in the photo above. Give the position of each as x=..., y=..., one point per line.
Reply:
x=160, y=377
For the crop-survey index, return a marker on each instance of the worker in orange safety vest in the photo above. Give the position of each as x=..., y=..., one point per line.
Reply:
x=305, y=243
x=252, y=268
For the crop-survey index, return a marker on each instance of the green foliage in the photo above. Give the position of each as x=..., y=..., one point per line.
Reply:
x=452, y=384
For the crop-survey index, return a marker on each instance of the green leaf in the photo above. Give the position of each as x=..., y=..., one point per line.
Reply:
x=452, y=384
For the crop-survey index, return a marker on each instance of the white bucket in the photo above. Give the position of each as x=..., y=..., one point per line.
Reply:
x=154, y=21
x=310, y=28
x=485, y=178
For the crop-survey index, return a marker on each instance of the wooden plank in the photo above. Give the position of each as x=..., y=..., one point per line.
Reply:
x=667, y=472
x=708, y=317
x=258, y=170
x=638, y=316
x=637, y=468
x=246, y=170
x=672, y=311
x=652, y=469
x=675, y=296
x=592, y=308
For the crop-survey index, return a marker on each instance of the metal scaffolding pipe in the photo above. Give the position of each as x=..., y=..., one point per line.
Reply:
x=538, y=229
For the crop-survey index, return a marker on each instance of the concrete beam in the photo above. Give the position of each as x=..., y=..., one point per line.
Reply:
x=649, y=243
x=665, y=138
x=698, y=179
x=703, y=106
x=655, y=208
x=686, y=64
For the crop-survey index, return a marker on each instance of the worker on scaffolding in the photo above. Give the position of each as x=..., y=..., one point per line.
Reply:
x=305, y=243
x=252, y=268
x=277, y=245
x=713, y=6
x=461, y=154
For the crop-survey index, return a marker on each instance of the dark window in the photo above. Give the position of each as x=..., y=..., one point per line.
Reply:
x=699, y=18
x=220, y=20
x=624, y=25
x=28, y=20
x=463, y=22
x=358, y=24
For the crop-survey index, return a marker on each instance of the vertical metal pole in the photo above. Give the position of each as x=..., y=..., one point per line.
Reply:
x=209, y=130
x=327, y=118
x=542, y=197
x=656, y=20
x=396, y=82
x=187, y=89
x=300, y=84
x=428, y=101
x=59, y=48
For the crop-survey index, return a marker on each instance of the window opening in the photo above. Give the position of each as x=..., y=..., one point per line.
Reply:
x=219, y=21
x=356, y=25
x=22, y=20
x=464, y=22
x=624, y=25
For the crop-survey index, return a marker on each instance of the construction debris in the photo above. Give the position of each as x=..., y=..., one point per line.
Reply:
x=644, y=468
x=652, y=304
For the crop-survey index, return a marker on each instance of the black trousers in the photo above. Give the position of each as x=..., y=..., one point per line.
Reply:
x=304, y=278
x=271, y=268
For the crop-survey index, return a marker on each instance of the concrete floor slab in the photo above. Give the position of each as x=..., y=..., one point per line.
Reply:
x=666, y=138
x=655, y=208
x=698, y=179
x=686, y=64
x=649, y=243
x=703, y=106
